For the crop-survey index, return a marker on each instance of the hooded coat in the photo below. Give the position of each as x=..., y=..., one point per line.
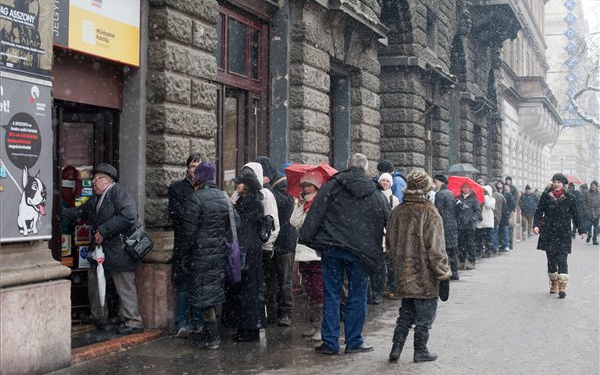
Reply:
x=205, y=229
x=553, y=216
x=487, y=209
x=416, y=246
x=287, y=237
x=444, y=202
x=350, y=213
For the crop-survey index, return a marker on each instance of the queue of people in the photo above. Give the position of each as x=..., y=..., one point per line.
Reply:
x=354, y=237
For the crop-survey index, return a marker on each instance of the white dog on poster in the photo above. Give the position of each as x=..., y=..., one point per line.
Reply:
x=33, y=203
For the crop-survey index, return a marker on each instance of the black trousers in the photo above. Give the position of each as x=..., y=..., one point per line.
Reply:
x=466, y=245
x=557, y=262
x=593, y=230
x=418, y=312
x=278, y=282
x=483, y=240
x=453, y=259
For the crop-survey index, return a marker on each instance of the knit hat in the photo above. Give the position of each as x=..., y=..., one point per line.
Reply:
x=204, y=172
x=441, y=178
x=561, y=178
x=527, y=187
x=385, y=166
x=418, y=182
x=312, y=177
x=387, y=177
x=108, y=170
x=594, y=183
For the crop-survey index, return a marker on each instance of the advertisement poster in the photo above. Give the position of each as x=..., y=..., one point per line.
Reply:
x=104, y=28
x=25, y=160
x=26, y=37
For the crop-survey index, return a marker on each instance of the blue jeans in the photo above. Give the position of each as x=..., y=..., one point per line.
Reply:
x=335, y=264
x=495, y=239
x=506, y=236
x=186, y=316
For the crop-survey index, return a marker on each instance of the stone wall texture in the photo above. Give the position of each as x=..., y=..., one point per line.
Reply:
x=181, y=96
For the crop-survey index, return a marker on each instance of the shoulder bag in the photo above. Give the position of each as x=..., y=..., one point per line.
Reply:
x=136, y=242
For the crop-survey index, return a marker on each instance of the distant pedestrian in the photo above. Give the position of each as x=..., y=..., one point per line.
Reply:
x=585, y=220
x=500, y=203
x=507, y=210
x=592, y=205
x=446, y=206
x=399, y=181
x=486, y=224
x=417, y=249
x=552, y=222
x=467, y=214
x=527, y=203
x=512, y=222
x=346, y=224
x=186, y=320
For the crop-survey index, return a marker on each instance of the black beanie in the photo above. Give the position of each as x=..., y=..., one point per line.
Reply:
x=385, y=166
x=561, y=178
x=441, y=178
x=527, y=187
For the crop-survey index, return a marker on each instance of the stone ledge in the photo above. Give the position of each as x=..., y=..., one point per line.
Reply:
x=24, y=263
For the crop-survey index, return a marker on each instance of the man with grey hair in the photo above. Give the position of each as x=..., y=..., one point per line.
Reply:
x=345, y=224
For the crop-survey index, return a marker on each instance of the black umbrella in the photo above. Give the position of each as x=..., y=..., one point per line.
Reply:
x=462, y=168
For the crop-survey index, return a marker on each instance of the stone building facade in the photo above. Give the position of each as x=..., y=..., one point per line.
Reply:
x=439, y=99
x=530, y=121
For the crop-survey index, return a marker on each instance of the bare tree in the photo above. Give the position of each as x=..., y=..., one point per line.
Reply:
x=589, y=55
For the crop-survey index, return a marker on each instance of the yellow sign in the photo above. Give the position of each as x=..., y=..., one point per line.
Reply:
x=102, y=36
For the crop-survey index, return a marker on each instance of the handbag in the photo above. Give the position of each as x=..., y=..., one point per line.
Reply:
x=233, y=263
x=267, y=225
x=137, y=243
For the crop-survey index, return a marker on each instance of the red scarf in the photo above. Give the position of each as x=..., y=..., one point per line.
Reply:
x=558, y=194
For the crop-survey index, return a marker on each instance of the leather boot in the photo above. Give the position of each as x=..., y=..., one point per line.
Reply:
x=398, y=343
x=422, y=354
x=553, y=282
x=562, y=284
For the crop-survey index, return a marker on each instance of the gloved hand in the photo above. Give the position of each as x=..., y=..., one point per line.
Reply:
x=268, y=254
x=444, y=290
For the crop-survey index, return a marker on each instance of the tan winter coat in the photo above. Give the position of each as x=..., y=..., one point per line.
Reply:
x=416, y=246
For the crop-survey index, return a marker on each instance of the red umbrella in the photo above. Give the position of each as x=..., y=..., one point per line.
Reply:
x=295, y=172
x=455, y=184
x=574, y=179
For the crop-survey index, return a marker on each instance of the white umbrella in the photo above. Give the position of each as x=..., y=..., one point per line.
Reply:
x=98, y=256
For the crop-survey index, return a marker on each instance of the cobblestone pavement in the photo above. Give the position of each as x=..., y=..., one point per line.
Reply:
x=500, y=319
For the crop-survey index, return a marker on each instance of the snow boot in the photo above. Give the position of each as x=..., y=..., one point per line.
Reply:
x=553, y=282
x=562, y=284
x=422, y=354
x=398, y=340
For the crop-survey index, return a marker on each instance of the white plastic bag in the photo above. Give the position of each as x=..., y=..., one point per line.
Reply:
x=98, y=256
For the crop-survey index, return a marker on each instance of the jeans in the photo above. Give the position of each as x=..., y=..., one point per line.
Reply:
x=593, y=231
x=557, y=262
x=278, y=280
x=186, y=316
x=494, y=248
x=506, y=236
x=336, y=264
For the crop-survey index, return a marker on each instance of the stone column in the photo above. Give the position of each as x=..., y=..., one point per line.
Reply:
x=180, y=119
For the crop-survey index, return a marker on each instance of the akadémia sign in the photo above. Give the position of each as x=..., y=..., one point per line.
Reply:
x=25, y=159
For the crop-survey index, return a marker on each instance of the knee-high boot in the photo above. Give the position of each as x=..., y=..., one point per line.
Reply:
x=562, y=284
x=422, y=354
x=398, y=340
x=553, y=282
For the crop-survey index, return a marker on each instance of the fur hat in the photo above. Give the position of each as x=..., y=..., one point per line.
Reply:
x=561, y=178
x=386, y=177
x=418, y=182
x=441, y=178
x=385, y=166
x=204, y=172
x=313, y=178
x=108, y=170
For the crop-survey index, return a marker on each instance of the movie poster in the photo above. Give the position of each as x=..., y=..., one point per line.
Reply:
x=26, y=176
x=26, y=37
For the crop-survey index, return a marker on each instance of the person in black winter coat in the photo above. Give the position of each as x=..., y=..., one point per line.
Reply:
x=508, y=185
x=507, y=210
x=527, y=203
x=112, y=212
x=244, y=307
x=278, y=269
x=552, y=221
x=186, y=320
x=468, y=212
x=446, y=206
x=346, y=223
x=204, y=234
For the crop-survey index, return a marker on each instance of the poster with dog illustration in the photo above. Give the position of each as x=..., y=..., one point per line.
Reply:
x=26, y=159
